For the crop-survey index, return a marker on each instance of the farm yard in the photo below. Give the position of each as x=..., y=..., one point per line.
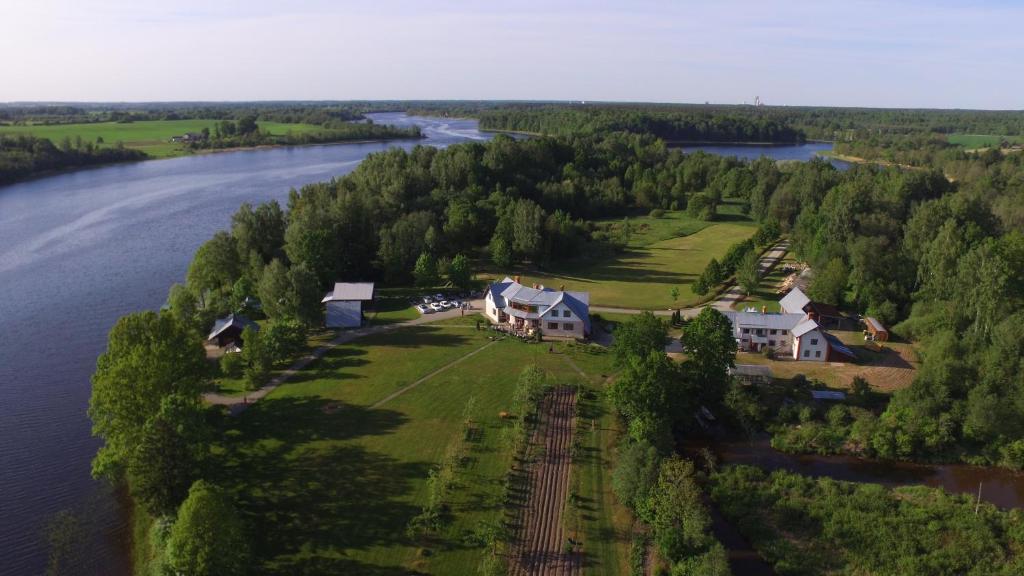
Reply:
x=150, y=136
x=352, y=441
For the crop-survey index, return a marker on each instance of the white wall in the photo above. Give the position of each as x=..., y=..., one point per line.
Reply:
x=344, y=314
x=557, y=314
x=812, y=347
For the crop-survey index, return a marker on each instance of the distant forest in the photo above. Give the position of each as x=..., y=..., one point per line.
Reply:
x=22, y=156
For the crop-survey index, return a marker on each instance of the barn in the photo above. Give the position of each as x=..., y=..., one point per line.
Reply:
x=876, y=330
x=345, y=304
x=227, y=332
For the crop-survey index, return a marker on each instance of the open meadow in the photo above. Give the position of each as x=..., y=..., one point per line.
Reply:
x=150, y=136
x=972, y=141
x=643, y=275
x=332, y=466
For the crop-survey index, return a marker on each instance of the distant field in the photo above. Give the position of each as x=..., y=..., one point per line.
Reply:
x=152, y=137
x=318, y=448
x=981, y=140
x=643, y=276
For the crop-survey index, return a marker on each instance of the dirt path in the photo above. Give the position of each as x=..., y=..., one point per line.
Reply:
x=540, y=546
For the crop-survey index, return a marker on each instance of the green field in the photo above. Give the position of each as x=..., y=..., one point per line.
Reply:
x=971, y=141
x=329, y=482
x=643, y=276
x=150, y=136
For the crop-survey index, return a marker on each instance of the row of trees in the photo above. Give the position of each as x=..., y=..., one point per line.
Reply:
x=22, y=156
x=654, y=395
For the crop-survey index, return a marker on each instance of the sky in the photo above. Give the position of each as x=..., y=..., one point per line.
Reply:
x=937, y=54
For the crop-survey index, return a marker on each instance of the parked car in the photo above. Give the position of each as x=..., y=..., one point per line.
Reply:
x=446, y=304
x=455, y=303
x=427, y=299
x=424, y=309
x=436, y=307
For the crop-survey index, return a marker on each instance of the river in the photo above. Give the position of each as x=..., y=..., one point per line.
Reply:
x=81, y=249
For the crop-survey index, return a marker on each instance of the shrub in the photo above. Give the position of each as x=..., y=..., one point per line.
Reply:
x=231, y=365
x=657, y=213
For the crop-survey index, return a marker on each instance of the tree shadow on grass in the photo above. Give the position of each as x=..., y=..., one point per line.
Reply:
x=308, y=498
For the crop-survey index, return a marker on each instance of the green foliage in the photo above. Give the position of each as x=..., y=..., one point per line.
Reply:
x=425, y=271
x=638, y=336
x=829, y=283
x=711, y=350
x=459, y=272
x=214, y=270
x=290, y=293
x=257, y=358
x=748, y=272
x=635, y=473
x=24, y=155
x=679, y=520
x=208, y=538
x=648, y=393
x=149, y=357
x=283, y=339
x=171, y=454
x=232, y=365
x=804, y=525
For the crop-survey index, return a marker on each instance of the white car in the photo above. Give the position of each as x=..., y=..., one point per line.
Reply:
x=455, y=303
x=436, y=307
x=427, y=299
x=438, y=297
x=424, y=309
x=446, y=304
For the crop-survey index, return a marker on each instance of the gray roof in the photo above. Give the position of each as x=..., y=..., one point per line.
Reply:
x=751, y=370
x=794, y=301
x=804, y=328
x=543, y=298
x=828, y=395
x=236, y=320
x=350, y=291
x=874, y=324
x=769, y=320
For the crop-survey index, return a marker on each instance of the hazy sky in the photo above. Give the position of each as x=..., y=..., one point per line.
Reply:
x=940, y=53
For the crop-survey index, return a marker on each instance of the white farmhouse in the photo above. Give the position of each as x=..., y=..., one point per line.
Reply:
x=791, y=332
x=345, y=304
x=528, y=309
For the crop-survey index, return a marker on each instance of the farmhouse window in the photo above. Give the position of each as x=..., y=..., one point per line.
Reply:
x=567, y=326
x=814, y=341
x=807, y=353
x=746, y=330
x=783, y=332
x=552, y=325
x=817, y=353
x=772, y=332
x=566, y=314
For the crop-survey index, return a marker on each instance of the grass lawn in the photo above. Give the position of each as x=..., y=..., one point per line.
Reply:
x=329, y=483
x=643, y=276
x=150, y=136
x=971, y=141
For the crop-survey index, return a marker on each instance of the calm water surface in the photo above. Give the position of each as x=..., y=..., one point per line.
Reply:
x=798, y=152
x=79, y=250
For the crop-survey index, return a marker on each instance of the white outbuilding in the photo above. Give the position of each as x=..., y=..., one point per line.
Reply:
x=345, y=304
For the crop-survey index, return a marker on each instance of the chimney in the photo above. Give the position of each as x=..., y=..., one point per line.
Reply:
x=764, y=309
x=535, y=286
x=561, y=288
x=517, y=279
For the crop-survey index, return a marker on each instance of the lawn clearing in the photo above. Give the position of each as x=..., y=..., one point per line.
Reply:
x=150, y=136
x=643, y=276
x=971, y=141
x=329, y=484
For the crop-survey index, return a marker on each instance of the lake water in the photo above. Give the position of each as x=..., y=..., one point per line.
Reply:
x=79, y=250
x=798, y=152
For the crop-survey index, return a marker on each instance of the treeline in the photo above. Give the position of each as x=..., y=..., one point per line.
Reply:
x=22, y=156
x=940, y=262
x=655, y=396
x=300, y=113
x=678, y=126
x=809, y=526
x=246, y=132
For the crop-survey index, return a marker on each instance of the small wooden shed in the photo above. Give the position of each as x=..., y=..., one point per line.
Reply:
x=876, y=329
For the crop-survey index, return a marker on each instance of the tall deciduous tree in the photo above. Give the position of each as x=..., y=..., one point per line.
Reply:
x=748, y=272
x=214, y=268
x=208, y=537
x=149, y=356
x=638, y=336
x=459, y=272
x=170, y=455
x=710, y=350
x=425, y=271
